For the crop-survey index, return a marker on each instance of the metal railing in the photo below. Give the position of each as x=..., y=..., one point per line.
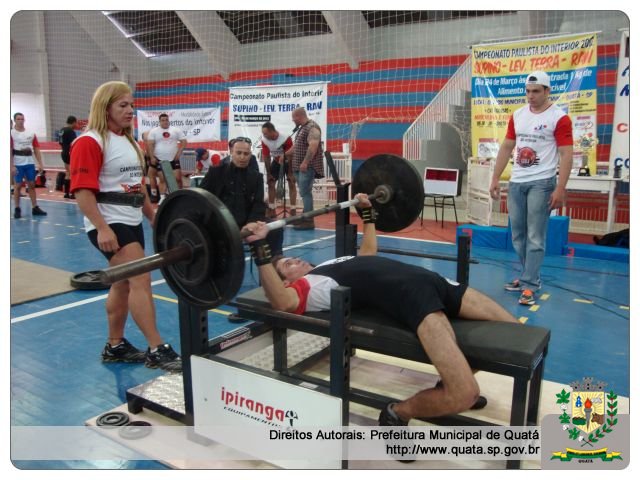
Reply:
x=426, y=125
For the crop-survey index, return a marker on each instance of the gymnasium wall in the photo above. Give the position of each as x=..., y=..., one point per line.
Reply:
x=378, y=83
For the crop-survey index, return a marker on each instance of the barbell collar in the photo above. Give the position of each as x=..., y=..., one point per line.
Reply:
x=127, y=270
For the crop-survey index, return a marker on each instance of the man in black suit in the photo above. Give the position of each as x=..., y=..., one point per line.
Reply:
x=241, y=188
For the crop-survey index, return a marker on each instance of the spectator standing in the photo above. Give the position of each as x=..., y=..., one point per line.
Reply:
x=166, y=143
x=541, y=133
x=67, y=136
x=24, y=146
x=274, y=144
x=307, y=161
x=107, y=159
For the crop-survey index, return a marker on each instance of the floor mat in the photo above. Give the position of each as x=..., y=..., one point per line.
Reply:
x=30, y=281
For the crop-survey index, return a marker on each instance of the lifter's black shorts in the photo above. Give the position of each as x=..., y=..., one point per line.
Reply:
x=175, y=164
x=66, y=157
x=405, y=293
x=124, y=233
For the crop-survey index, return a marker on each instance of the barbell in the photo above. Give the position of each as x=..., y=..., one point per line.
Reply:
x=199, y=245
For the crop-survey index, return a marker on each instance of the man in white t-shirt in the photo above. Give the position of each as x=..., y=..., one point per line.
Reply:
x=24, y=146
x=541, y=133
x=165, y=143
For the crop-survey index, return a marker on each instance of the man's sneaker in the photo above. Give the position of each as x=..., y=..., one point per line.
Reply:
x=514, y=286
x=17, y=213
x=481, y=402
x=165, y=358
x=123, y=352
x=37, y=211
x=527, y=298
x=389, y=418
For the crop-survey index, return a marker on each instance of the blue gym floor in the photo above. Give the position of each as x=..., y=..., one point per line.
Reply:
x=57, y=377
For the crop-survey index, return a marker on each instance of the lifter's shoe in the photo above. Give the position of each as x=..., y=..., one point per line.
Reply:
x=389, y=418
x=123, y=352
x=37, y=211
x=17, y=212
x=481, y=402
x=163, y=357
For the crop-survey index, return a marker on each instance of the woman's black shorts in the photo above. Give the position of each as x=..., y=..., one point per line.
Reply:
x=124, y=233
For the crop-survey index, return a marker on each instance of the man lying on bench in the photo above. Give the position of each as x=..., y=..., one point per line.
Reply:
x=415, y=296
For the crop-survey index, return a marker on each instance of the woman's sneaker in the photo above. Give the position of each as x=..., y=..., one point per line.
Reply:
x=123, y=352
x=165, y=358
x=527, y=298
x=514, y=286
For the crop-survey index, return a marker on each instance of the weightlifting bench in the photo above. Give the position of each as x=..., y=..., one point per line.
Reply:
x=483, y=344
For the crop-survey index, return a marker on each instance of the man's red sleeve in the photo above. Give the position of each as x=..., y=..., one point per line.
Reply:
x=86, y=162
x=564, y=132
x=265, y=151
x=35, y=142
x=511, y=130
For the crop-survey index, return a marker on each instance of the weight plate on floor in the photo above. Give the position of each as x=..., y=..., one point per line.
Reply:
x=135, y=430
x=112, y=419
x=88, y=281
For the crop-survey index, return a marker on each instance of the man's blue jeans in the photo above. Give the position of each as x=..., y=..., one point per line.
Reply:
x=305, y=187
x=528, y=204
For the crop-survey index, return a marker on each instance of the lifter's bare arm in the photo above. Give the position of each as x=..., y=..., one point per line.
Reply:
x=280, y=297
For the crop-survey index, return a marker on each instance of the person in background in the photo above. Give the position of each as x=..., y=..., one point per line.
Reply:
x=541, y=134
x=107, y=159
x=67, y=136
x=241, y=188
x=274, y=144
x=307, y=161
x=24, y=146
x=165, y=143
x=206, y=159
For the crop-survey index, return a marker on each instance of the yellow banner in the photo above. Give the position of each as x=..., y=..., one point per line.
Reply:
x=498, y=75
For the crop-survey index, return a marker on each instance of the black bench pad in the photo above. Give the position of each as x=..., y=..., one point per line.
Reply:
x=506, y=348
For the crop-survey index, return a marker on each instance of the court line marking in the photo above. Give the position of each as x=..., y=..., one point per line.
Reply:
x=624, y=307
x=157, y=282
x=580, y=300
x=175, y=300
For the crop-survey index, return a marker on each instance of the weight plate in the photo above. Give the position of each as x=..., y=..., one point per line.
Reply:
x=215, y=271
x=112, y=419
x=135, y=430
x=406, y=186
x=88, y=281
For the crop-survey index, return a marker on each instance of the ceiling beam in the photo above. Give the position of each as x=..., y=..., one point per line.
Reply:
x=120, y=50
x=352, y=31
x=214, y=37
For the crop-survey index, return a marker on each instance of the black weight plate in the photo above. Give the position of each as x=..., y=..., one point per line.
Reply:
x=196, y=270
x=88, y=281
x=202, y=216
x=112, y=419
x=405, y=182
x=135, y=430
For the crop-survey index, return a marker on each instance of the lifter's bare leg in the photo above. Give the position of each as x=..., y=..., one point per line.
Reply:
x=459, y=389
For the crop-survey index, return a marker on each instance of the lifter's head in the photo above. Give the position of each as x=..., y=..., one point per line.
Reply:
x=291, y=269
